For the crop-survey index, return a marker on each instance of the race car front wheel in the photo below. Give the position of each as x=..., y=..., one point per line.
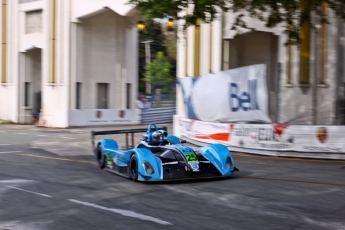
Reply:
x=133, y=168
x=101, y=157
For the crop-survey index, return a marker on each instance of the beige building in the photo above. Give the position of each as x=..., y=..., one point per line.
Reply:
x=73, y=60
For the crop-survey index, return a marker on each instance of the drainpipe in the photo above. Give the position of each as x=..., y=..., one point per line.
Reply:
x=4, y=41
x=52, y=45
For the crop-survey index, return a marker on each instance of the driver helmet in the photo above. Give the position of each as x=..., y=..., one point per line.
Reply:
x=158, y=136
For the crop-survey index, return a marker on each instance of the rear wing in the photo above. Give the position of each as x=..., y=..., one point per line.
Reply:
x=124, y=131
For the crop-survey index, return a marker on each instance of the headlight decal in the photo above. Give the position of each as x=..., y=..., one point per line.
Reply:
x=148, y=167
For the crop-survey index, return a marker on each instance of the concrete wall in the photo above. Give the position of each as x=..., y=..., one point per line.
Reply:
x=101, y=51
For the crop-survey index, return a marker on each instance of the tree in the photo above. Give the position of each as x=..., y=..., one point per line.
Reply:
x=154, y=33
x=158, y=72
x=290, y=14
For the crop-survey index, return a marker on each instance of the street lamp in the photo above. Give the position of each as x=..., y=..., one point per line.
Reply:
x=170, y=24
x=141, y=25
x=148, y=61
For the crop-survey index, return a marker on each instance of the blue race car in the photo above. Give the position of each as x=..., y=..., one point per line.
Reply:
x=159, y=156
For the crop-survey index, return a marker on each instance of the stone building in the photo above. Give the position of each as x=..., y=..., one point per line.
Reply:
x=305, y=84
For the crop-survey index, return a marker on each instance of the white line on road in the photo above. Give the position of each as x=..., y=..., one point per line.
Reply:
x=15, y=181
x=45, y=143
x=11, y=152
x=4, y=144
x=125, y=213
x=40, y=135
x=28, y=191
x=68, y=138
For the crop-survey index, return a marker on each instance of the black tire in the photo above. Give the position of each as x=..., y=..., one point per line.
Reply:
x=101, y=158
x=133, y=168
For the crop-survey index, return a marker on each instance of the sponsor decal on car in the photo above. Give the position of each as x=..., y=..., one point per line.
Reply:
x=195, y=166
x=191, y=157
x=170, y=163
x=206, y=162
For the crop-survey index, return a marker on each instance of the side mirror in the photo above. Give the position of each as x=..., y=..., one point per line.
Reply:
x=183, y=141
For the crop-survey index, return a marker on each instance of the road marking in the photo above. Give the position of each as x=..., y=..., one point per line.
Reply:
x=40, y=135
x=287, y=158
x=125, y=213
x=55, y=158
x=71, y=138
x=15, y=181
x=41, y=194
x=4, y=144
x=44, y=143
x=287, y=180
x=11, y=152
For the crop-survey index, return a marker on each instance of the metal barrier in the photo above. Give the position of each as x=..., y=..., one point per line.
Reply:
x=157, y=116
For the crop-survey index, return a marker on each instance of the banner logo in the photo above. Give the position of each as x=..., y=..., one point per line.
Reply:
x=322, y=134
x=98, y=114
x=246, y=100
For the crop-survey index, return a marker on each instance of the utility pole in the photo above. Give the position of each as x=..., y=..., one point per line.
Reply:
x=148, y=60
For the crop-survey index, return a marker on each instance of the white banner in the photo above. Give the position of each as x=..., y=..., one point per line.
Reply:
x=272, y=137
x=91, y=117
x=236, y=95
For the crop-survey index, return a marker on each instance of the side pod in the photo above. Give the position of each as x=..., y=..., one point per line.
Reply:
x=220, y=157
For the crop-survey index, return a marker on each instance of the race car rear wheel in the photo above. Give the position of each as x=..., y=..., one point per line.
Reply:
x=133, y=168
x=101, y=157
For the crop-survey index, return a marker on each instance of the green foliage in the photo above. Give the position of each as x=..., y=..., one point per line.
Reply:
x=154, y=33
x=158, y=72
x=290, y=14
x=171, y=44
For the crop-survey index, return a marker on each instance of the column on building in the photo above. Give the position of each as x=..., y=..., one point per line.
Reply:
x=198, y=53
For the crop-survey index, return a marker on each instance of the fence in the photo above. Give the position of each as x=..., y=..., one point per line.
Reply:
x=157, y=116
x=162, y=95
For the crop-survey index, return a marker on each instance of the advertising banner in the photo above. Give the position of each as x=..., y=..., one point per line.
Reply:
x=236, y=95
x=271, y=137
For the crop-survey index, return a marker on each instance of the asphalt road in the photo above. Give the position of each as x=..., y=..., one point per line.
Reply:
x=49, y=180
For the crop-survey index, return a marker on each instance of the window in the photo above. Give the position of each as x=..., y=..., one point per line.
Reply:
x=168, y=155
x=179, y=157
x=289, y=64
x=26, y=94
x=102, y=96
x=305, y=48
x=34, y=21
x=128, y=95
x=323, y=53
x=305, y=54
x=78, y=96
